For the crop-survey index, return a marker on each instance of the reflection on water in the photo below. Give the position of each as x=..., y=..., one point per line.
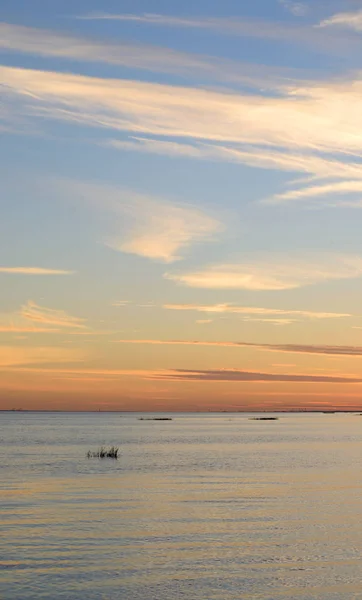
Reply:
x=202, y=507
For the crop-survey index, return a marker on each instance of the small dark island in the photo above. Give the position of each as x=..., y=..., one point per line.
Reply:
x=154, y=419
x=263, y=418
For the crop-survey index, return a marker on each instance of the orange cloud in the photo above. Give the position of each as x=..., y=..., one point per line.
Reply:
x=34, y=271
x=49, y=316
x=291, y=348
x=32, y=318
x=254, y=310
x=13, y=356
x=270, y=273
x=232, y=375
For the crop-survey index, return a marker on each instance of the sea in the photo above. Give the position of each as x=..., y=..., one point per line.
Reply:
x=199, y=507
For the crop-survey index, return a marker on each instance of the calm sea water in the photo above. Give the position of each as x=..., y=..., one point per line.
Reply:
x=202, y=507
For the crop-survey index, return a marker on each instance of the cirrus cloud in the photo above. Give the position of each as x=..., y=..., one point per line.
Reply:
x=254, y=310
x=352, y=20
x=34, y=271
x=269, y=274
x=142, y=224
x=232, y=375
x=33, y=318
x=12, y=356
x=288, y=348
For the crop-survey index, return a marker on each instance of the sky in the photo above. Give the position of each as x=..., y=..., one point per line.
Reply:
x=181, y=196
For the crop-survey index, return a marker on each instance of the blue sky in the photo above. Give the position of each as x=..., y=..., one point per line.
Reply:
x=187, y=174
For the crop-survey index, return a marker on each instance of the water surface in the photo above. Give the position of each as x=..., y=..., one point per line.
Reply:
x=203, y=507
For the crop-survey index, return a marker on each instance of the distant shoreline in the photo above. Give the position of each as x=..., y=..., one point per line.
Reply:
x=182, y=412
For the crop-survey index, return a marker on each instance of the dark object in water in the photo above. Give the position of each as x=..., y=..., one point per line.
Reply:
x=103, y=453
x=154, y=419
x=263, y=418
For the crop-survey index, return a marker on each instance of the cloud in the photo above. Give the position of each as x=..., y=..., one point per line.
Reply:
x=34, y=271
x=298, y=9
x=270, y=321
x=32, y=318
x=343, y=187
x=52, y=44
x=11, y=356
x=49, y=316
x=278, y=274
x=254, y=310
x=161, y=231
x=352, y=20
x=295, y=129
x=288, y=348
x=181, y=374
x=305, y=35
x=138, y=373
x=121, y=303
x=144, y=225
x=317, y=167
x=322, y=116
x=251, y=376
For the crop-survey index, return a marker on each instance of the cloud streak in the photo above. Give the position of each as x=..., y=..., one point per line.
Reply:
x=181, y=375
x=296, y=129
x=34, y=271
x=12, y=356
x=230, y=375
x=32, y=318
x=318, y=167
x=144, y=225
x=277, y=274
x=295, y=33
x=254, y=310
x=51, y=44
x=49, y=316
x=288, y=348
x=298, y=9
x=322, y=116
x=351, y=20
x=161, y=230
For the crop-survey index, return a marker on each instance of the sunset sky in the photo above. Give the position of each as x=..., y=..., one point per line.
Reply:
x=181, y=197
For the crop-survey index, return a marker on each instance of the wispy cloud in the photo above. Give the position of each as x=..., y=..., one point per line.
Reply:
x=181, y=374
x=34, y=271
x=252, y=376
x=294, y=33
x=137, y=373
x=32, y=318
x=314, y=117
x=52, y=44
x=11, y=356
x=318, y=167
x=269, y=321
x=296, y=129
x=145, y=225
x=254, y=310
x=161, y=231
x=49, y=316
x=277, y=274
x=288, y=348
x=343, y=187
x=298, y=9
x=121, y=303
x=352, y=20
